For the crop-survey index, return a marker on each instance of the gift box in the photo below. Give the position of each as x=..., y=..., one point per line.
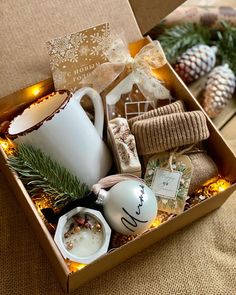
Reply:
x=216, y=145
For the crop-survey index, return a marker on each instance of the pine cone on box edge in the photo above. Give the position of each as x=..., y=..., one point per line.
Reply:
x=219, y=90
x=195, y=62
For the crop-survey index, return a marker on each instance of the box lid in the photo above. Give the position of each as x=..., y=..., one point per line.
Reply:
x=27, y=25
x=151, y=12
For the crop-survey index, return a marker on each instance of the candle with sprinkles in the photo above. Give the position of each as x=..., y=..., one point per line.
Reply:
x=83, y=235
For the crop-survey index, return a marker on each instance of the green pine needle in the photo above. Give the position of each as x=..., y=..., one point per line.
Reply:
x=40, y=173
x=177, y=39
x=226, y=42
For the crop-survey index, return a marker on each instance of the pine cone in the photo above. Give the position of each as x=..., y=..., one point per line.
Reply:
x=196, y=62
x=219, y=90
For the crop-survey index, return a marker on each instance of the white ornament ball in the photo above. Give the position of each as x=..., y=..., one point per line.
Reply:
x=130, y=207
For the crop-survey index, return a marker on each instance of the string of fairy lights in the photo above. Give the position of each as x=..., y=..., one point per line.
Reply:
x=208, y=190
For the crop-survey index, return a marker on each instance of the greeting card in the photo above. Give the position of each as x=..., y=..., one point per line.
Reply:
x=74, y=56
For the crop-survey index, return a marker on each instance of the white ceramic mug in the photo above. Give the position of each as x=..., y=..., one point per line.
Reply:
x=58, y=125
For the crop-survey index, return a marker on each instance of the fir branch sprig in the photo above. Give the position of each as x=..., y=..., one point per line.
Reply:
x=41, y=174
x=177, y=39
x=226, y=43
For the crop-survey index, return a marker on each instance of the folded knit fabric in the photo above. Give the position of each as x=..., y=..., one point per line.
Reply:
x=166, y=132
x=175, y=107
x=204, y=168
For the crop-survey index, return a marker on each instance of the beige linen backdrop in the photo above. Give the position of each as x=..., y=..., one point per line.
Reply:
x=200, y=259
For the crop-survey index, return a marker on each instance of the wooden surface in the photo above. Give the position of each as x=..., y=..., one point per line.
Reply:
x=229, y=133
x=211, y=2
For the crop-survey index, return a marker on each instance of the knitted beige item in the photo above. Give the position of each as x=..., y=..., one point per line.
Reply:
x=123, y=147
x=166, y=132
x=175, y=107
x=204, y=168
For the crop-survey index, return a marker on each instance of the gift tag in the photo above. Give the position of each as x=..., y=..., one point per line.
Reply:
x=170, y=187
x=166, y=183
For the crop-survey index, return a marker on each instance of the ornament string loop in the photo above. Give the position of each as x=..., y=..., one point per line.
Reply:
x=111, y=180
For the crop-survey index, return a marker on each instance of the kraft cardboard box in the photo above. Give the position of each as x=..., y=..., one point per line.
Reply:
x=27, y=25
x=217, y=148
x=150, y=13
x=70, y=281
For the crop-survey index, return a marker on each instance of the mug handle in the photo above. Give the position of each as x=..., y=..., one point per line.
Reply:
x=98, y=106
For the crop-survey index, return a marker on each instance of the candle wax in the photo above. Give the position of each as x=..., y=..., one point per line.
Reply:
x=84, y=243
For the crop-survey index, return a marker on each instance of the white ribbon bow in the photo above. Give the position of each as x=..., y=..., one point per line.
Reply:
x=149, y=58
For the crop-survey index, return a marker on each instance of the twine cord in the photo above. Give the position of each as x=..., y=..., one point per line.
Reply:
x=177, y=154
